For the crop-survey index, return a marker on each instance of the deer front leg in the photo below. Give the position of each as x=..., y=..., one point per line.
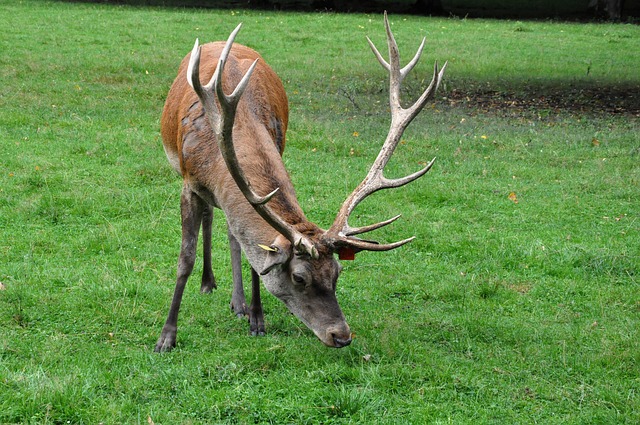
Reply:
x=208, y=279
x=238, y=301
x=256, y=315
x=191, y=207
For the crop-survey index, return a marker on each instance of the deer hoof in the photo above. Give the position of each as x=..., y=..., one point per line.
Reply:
x=240, y=311
x=207, y=287
x=166, y=342
x=256, y=326
x=164, y=346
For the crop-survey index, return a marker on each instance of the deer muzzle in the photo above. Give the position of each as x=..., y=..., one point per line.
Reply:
x=335, y=336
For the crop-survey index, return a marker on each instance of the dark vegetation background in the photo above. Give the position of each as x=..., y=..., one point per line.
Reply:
x=524, y=9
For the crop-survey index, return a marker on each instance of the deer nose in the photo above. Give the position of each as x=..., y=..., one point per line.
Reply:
x=341, y=342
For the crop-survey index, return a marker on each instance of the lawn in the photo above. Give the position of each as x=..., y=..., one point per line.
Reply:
x=519, y=301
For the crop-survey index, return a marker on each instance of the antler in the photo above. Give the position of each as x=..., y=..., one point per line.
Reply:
x=340, y=233
x=222, y=119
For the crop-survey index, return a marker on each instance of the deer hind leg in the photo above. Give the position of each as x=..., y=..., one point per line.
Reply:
x=238, y=301
x=256, y=315
x=208, y=279
x=192, y=208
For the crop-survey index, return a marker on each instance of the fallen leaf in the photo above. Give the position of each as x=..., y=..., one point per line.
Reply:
x=2, y=287
x=150, y=421
x=513, y=197
x=356, y=134
x=595, y=142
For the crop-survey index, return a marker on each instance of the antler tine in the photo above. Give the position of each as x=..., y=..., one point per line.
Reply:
x=350, y=231
x=362, y=245
x=385, y=183
x=340, y=232
x=193, y=70
x=216, y=80
x=407, y=69
x=382, y=61
x=222, y=120
x=429, y=92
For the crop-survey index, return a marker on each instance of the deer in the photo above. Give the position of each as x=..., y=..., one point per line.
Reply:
x=223, y=129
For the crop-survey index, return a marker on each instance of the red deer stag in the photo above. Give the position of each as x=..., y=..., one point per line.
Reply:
x=228, y=150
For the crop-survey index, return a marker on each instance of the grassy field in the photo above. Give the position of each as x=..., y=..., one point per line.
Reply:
x=519, y=301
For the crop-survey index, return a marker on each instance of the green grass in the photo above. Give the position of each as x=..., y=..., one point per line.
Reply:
x=499, y=312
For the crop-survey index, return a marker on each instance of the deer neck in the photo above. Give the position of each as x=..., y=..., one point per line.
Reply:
x=265, y=170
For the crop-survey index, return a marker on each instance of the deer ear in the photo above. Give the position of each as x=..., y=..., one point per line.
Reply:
x=278, y=253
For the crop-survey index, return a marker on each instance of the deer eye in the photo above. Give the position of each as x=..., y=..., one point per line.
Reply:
x=298, y=278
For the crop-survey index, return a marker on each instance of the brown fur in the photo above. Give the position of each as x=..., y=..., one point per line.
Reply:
x=263, y=110
x=259, y=130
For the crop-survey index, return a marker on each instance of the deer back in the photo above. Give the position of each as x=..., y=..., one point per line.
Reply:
x=264, y=104
x=259, y=134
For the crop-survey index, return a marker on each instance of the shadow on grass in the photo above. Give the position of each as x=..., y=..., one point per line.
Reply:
x=548, y=96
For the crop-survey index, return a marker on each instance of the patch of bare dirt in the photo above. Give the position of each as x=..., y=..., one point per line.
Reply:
x=574, y=100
